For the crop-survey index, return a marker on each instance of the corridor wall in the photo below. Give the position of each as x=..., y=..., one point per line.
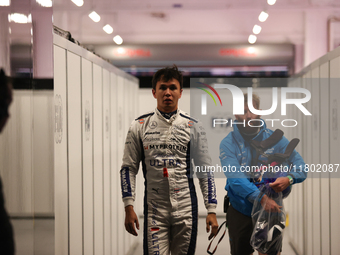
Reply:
x=314, y=224
x=94, y=104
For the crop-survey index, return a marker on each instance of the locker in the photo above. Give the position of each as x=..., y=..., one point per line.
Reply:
x=300, y=188
x=74, y=150
x=334, y=106
x=126, y=124
x=87, y=136
x=115, y=167
x=60, y=153
x=120, y=144
x=315, y=107
x=307, y=128
x=106, y=160
x=98, y=159
x=89, y=211
x=324, y=158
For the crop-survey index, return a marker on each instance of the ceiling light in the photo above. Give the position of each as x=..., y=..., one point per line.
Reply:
x=252, y=39
x=78, y=2
x=108, y=29
x=45, y=3
x=256, y=29
x=5, y=2
x=121, y=50
x=251, y=50
x=118, y=40
x=263, y=16
x=271, y=2
x=19, y=18
x=94, y=16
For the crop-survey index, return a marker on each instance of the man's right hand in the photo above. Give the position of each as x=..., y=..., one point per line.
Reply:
x=130, y=220
x=269, y=204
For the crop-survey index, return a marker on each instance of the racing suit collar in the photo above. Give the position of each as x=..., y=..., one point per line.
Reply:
x=172, y=118
x=168, y=115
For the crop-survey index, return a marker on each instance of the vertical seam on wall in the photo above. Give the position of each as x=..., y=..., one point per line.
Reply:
x=67, y=153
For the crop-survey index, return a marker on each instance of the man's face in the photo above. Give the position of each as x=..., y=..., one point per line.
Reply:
x=167, y=95
x=248, y=115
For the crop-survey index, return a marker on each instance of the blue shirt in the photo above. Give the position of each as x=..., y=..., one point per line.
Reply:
x=237, y=153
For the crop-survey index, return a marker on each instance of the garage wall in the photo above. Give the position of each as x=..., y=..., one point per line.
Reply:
x=92, y=116
x=314, y=223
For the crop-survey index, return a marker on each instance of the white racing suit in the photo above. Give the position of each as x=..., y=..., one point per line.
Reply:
x=170, y=202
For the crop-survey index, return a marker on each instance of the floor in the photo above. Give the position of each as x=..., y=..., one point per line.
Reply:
x=223, y=247
x=36, y=237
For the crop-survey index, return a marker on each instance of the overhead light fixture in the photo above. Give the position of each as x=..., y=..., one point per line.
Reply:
x=121, y=50
x=78, y=2
x=256, y=29
x=271, y=2
x=252, y=39
x=118, y=40
x=45, y=3
x=263, y=16
x=5, y=2
x=108, y=29
x=19, y=18
x=94, y=16
x=251, y=50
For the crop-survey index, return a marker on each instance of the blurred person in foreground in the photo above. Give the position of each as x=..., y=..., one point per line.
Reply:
x=236, y=150
x=162, y=140
x=6, y=231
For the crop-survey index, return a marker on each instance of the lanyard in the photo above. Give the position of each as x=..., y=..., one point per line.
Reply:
x=219, y=228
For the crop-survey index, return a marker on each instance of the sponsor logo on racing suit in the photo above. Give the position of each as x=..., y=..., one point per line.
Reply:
x=165, y=162
x=154, y=229
x=167, y=146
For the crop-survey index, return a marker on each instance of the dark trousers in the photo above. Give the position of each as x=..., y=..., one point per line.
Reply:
x=6, y=231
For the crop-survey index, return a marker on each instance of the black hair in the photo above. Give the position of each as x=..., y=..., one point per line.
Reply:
x=166, y=74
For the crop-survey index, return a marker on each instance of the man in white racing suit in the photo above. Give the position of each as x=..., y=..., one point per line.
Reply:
x=162, y=141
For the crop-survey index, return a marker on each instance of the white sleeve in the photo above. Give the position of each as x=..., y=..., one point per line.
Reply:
x=131, y=159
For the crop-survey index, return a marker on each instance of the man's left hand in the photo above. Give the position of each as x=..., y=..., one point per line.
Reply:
x=280, y=184
x=212, y=221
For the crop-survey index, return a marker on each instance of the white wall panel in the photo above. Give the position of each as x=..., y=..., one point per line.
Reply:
x=94, y=105
x=60, y=153
x=115, y=167
x=12, y=170
x=87, y=132
x=106, y=162
x=300, y=188
x=121, y=139
x=43, y=168
x=308, y=182
x=296, y=216
x=127, y=121
x=289, y=202
x=334, y=105
x=315, y=108
x=98, y=159
x=75, y=153
x=324, y=158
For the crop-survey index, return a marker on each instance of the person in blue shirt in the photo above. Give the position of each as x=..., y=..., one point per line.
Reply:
x=236, y=151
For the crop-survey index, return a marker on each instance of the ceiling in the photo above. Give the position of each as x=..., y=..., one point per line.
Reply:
x=189, y=21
